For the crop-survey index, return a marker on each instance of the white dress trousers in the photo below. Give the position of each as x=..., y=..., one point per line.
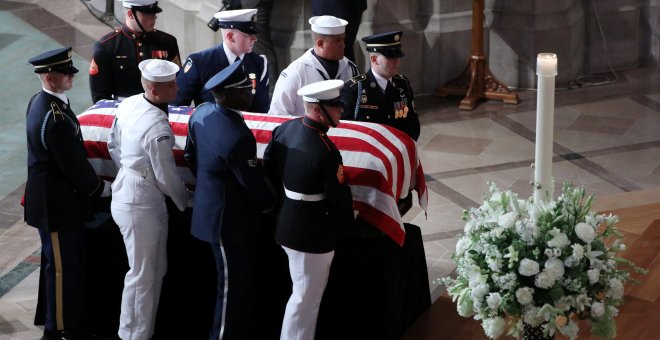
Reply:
x=309, y=274
x=140, y=144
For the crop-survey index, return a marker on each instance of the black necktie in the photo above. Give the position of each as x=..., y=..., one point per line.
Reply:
x=237, y=59
x=389, y=89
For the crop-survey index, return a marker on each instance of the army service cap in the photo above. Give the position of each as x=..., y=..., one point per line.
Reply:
x=323, y=92
x=144, y=6
x=387, y=44
x=158, y=70
x=231, y=76
x=240, y=19
x=59, y=60
x=328, y=25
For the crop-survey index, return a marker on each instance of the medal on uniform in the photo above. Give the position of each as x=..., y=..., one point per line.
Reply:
x=340, y=174
x=253, y=78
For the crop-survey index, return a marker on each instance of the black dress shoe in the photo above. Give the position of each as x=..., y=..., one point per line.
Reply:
x=61, y=335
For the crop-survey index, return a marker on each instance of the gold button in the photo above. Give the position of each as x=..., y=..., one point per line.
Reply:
x=133, y=36
x=121, y=67
x=139, y=44
x=141, y=54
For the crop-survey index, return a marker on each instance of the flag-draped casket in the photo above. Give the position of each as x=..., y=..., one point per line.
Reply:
x=381, y=164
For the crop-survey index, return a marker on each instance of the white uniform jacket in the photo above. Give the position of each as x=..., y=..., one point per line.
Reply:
x=302, y=71
x=140, y=144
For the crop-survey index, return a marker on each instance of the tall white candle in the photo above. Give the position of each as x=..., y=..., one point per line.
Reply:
x=546, y=70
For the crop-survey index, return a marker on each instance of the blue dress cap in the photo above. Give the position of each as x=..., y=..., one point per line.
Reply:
x=232, y=76
x=59, y=60
x=387, y=44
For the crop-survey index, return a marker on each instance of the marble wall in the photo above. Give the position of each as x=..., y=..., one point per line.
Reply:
x=587, y=35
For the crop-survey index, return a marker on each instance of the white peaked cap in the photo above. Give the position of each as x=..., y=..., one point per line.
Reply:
x=328, y=25
x=238, y=15
x=321, y=90
x=138, y=3
x=158, y=70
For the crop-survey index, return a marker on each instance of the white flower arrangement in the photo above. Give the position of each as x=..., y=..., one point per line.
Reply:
x=544, y=265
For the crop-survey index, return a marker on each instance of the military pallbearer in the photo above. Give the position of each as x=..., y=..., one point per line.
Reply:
x=382, y=95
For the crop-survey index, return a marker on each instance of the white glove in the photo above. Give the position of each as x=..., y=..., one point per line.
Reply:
x=107, y=189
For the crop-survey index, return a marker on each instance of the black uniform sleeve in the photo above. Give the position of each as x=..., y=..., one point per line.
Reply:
x=271, y=165
x=349, y=96
x=338, y=194
x=244, y=166
x=412, y=122
x=67, y=154
x=100, y=74
x=261, y=101
x=190, y=152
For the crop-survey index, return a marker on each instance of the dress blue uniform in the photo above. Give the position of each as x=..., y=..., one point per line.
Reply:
x=392, y=104
x=113, y=71
x=316, y=206
x=201, y=66
x=58, y=196
x=230, y=191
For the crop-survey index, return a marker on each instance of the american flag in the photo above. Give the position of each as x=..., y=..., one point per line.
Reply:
x=381, y=164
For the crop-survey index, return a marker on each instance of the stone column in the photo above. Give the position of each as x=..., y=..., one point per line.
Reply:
x=651, y=32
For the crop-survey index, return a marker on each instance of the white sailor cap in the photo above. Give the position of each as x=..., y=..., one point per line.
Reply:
x=240, y=19
x=328, y=25
x=323, y=92
x=158, y=70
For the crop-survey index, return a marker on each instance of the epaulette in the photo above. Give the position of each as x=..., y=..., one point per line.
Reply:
x=400, y=76
x=353, y=81
x=57, y=112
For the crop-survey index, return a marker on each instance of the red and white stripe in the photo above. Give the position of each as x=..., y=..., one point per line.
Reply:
x=381, y=164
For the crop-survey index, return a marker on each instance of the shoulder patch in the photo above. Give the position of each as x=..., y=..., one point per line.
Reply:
x=353, y=81
x=162, y=138
x=93, y=68
x=188, y=65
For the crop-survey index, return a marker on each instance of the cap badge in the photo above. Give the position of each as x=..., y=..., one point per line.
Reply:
x=397, y=38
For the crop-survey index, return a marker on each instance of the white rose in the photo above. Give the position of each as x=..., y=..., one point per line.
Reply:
x=593, y=275
x=615, y=290
x=528, y=267
x=555, y=268
x=507, y=220
x=585, y=232
x=462, y=245
x=560, y=240
x=525, y=295
x=494, y=328
x=544, y=280
x=493, y=300
x=597, y=309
